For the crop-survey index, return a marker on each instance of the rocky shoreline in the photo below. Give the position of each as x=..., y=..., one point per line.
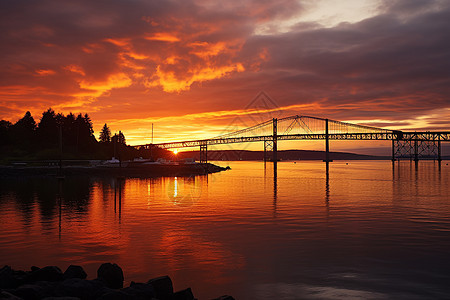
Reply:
x=51, y=283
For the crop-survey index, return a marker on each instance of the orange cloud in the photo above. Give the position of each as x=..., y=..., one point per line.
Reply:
x=137, y=55
x=92, y=47
x=118, y=42
x=75, y=69
x=171, y=83
x=203, y=49
x=77, y=103
x=119, y=80
x=45, y=72
x=20, y=90
x=163, y=37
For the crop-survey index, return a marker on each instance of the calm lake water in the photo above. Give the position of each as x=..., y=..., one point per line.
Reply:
x=362, y=230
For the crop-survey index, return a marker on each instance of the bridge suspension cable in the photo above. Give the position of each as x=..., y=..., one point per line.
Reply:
x=309, y=128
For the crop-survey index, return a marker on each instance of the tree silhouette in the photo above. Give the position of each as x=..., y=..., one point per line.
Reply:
x=119, y=138
x=47, y=130
x=25, y=140
x=70, y=133
x=105, y=134
x=85, y=133
x=23, y=132
x=27, y=123
x=5, y=127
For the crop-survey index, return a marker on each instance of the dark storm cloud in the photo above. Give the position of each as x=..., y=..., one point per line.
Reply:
x=386, y=62
x=406, y=8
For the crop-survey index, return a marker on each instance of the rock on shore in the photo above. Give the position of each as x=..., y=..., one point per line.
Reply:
x=51, y=283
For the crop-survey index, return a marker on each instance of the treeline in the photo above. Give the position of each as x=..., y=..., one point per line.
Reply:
x=71, y=136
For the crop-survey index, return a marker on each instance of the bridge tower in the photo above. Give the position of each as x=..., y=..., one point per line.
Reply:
x=271, y=145
x=204, y=152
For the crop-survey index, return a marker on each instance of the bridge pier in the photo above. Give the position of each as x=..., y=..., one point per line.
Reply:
x=439, y=149
x=204, y=153
x=327, y=143
x=275, y=146
x=393, y=150
x=416, y=151
x=268, y=146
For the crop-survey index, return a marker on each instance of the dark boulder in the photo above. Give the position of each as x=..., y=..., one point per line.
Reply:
x=183, y=295
x=116, y=295
x=49, y=273
x=111, y=274
x=20, y=275
x=61, y=298
x=4, y=295
x=140, y=290
x=75, y=272
x=36, y=290
x=81, y=288
x=34, y=268
x=163, y=287
x=7, y=278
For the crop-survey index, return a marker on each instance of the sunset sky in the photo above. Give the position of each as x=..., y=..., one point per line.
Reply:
x=194, y=67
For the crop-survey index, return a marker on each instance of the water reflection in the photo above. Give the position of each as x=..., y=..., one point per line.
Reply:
x=60, y=197
x=118, y=186
x=327, y=184
x=255, y=230
x=410, y=177
x=275, y=188
x=46, y=196
x=185, y=191
x=274, y=167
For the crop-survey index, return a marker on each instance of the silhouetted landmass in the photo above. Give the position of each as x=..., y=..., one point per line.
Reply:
x=59, y=136
x=129, y=170
x=233, y=155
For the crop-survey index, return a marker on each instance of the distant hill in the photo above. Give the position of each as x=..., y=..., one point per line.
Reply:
x=230, y=155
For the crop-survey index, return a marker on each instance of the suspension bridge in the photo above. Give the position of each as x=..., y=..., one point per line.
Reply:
x=405, y=144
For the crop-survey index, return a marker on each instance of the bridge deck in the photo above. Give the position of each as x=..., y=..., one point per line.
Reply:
x=396, y=135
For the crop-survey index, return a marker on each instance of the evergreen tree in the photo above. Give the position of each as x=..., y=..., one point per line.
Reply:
x=47, y=130
x=60, y=119
x=27, y=123
x=5, y=133
x=23, y=132
x=119, y=138
x=105, y=134
x=89, y=125
x=70, y=131
x=85, y=133
x=122, y=138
